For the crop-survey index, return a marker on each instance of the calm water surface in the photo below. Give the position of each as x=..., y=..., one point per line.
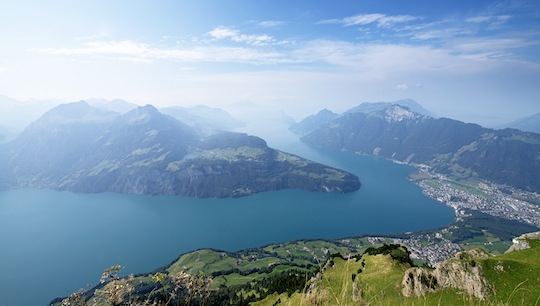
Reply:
x=53, y=243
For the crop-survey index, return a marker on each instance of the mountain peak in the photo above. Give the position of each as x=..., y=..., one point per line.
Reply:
x=76, y=112
x=398, y=113
x=142, y=114
x=369, y=107
x=314, y=121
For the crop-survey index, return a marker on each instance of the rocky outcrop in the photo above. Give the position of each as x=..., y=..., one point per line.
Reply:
x=521, y=243
x=462, y=273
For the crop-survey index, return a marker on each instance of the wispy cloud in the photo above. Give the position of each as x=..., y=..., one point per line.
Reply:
x=491, y=21
x=380, y=60
x=221, y=33
x=493, y=44
x=431, y=45
x=402, y=87
x=376, y=58
x=444, y=33
x=271, y=23
x=145, y=53
x=405, y=86
x=381, y=20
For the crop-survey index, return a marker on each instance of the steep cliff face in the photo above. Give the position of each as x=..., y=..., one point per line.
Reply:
x=461, y=273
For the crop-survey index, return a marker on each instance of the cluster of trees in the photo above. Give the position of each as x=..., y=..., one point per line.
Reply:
x=503, y=228
x=287, y=281
x=396, y=251
x=263, y=270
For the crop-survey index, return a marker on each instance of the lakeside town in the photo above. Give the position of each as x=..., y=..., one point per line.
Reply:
x=486, y=197
x=490, y=198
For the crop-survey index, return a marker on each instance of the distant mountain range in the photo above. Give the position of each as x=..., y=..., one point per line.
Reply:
x=203, y=116
x=368, y=107
x=116, y=105
x=81, y=148
x=314, y=121
x=527, y=124
x=16, y=115
x=449, y=146
x=324, y=116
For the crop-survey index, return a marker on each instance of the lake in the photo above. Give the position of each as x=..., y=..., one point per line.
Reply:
x=54, y=243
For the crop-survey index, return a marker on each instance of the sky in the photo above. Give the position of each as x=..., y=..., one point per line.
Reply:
x=475, y=61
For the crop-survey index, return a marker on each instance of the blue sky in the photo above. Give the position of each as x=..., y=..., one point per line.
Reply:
x=476, y=61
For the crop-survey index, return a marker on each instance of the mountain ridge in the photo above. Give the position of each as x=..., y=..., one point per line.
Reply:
x=324, y=116
x=448, y=146
x=339, y=272
x=526, y=124
x=80, y=148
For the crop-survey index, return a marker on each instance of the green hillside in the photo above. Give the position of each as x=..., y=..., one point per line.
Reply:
x=350, y=272
x=511, y=278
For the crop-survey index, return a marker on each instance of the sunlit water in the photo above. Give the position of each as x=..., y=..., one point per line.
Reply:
x=53, y=243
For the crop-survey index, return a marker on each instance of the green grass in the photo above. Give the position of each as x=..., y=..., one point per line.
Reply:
x=232, y=154
x=465, y=187
x=379, y=281
x=278, y=258
x=433, y=184
x=488, y=242
x=237, y=279
x=522, y=138
x=201, y=260
x=514, y=278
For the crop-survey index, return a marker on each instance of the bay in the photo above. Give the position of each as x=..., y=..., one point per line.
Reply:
x=54, y=243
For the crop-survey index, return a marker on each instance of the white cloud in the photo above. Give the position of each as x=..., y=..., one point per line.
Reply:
x=221, y=33
x=145, y=53
x=382, y=20
x=493, y=21
x=382, y=59
x=375, y=59
x=444, y=33
x=407, y=86
x=480, y=44
x=271, y=23
x=402, y=87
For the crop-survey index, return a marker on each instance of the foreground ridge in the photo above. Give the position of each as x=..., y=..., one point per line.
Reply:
x=343, y=272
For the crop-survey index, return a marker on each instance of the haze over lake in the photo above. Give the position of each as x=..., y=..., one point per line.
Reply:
x=57, y=242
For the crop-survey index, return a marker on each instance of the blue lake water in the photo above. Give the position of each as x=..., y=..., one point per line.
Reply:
x=53, y=243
